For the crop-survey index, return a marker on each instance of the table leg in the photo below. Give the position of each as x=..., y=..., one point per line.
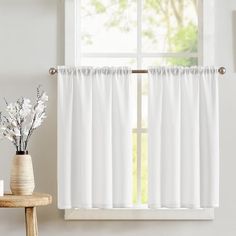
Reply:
x=31, y=221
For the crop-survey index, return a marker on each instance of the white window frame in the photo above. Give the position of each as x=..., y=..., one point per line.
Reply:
x=205, y=56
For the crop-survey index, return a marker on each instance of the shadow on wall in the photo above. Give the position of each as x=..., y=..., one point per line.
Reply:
x=234, y=39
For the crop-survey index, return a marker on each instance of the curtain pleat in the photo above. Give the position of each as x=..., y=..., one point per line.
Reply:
x=102, y=139
x=155, y=130
x=64, y=129
x=190, y=159
x=183, y=138
x=122, y=140
x=209, y=140
x=81, y=139
x=94, y=138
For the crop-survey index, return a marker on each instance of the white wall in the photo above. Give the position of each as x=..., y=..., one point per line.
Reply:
x=31, y=42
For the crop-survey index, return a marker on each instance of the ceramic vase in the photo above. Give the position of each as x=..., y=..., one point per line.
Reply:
x=22, y=174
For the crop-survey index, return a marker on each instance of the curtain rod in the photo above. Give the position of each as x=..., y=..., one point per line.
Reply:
x=53, y=71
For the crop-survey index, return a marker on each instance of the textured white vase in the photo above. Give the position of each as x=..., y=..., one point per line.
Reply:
x=22, y=175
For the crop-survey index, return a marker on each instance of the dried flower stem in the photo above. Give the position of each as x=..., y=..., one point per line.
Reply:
x=22, y=119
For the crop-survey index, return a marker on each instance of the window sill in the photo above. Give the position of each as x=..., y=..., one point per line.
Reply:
x=140, y=214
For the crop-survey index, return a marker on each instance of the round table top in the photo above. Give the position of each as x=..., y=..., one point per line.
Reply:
x=15, y=201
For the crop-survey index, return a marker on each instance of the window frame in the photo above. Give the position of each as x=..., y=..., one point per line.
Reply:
x=139, y=214
x=205, y=56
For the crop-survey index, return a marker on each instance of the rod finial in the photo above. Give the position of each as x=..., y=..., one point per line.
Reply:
x=222, y=70
x=52, y=71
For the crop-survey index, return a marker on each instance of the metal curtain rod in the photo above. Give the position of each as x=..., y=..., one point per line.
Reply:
x=53, y=71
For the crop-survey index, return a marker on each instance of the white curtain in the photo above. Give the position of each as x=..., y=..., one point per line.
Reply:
x=94, y=138
x=183, y=134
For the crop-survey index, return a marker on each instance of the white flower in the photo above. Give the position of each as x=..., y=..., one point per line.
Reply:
x=26, y=130
x=40, y=108
x=16, y=132
x=37, y=123
x=26, y=108
x=13, y=123
x=44, y=97
x=39, y=119
x=8, y=135
x=26, y=102
x=12, y=109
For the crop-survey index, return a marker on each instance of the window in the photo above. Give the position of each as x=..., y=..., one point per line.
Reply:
x=139, y=34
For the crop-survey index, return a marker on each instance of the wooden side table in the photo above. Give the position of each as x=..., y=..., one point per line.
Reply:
x=29, y=203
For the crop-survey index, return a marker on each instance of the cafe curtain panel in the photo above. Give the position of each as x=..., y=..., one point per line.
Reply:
x=183, y=134
x=94, y=138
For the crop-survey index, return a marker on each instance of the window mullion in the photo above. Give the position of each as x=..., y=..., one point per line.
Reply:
x=109, y=54
x=70, y=32
x=139, y=32
x=78, y=32
x=134, y=55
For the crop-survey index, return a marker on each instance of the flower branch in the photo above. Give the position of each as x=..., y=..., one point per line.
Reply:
x=22, y=119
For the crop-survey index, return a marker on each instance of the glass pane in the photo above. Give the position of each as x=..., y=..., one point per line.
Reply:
x=170, y=61
x=169, y=26
x=108, y=25
x=144, y=173
x=134, y=168
x=90, y=61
